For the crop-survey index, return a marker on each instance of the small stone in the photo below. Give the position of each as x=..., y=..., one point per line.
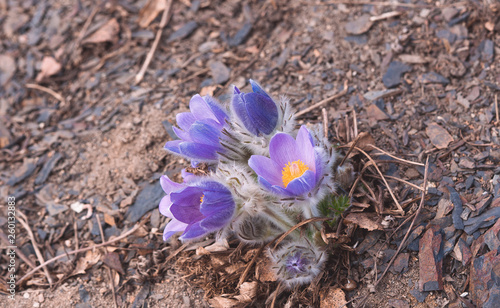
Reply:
x=7, y=68
x=401, y=262
x=146, y=200
x=241, y=35
x=394, y=72
x=439, y=136
x=27, y=169
x=466, y=163
x=447, y=35
x=36, y=304
x=433, y=77
x=469, y=182
x=376, y=113
x=398, y=303
x=419, y=296
x=220, y=72
x=457, y=208
x=358, y=39
x=183, y=31
x=487, y=49
x=449, y=13
x=359, y=25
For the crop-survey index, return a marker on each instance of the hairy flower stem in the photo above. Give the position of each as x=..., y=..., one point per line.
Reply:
x=280, y=219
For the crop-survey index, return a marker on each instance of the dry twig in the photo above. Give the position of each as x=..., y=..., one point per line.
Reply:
x=422, y=200
x=164, y=20
x=124, y=235
x=395, y=157
x=24, y=221
x=399, y=180
x=340, y=94
x=400, y=209
x=46, y=90
x=19, y=253
x=111, y=282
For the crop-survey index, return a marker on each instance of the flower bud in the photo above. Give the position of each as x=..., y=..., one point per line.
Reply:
x=257, y=111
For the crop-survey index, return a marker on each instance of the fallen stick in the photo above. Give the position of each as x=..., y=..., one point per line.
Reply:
x=164, y=20
x=124, y=235
x=340, y=94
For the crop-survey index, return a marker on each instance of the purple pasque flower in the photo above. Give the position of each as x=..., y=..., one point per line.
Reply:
x=257, y=110
x=199, y=130
x=294, y=168
x=196, y=209
x=297, y=262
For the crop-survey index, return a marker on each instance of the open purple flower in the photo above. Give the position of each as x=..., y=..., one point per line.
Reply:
x=196, y=209
x=294, y=167
x=199, y=130
x=256, y=110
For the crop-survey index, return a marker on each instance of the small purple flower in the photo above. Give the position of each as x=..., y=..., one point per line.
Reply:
x=199, y=130
x=257, y=111
x=297, y=262
x=294, y=168
x=196, y=209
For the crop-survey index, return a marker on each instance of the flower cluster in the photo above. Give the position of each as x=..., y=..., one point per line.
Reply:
x=262, y=177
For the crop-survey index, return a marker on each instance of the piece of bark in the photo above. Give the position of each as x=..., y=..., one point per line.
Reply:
x=431, y=260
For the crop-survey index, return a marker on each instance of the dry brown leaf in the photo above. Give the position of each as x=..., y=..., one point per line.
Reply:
x=82, y=264
x=150, y=11
x=218, y=246
x=439, y=136
x=364, y=220
x=222, y=302
x=107, y=33
x=7, y=68
x=364, y=142
x=263, y=270
x=335, y=298
x=248, y=291
x=110, y=220
x=48, y=68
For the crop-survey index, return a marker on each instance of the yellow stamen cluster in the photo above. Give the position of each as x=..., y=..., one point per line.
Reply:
x=293, y=170
x=201, y=199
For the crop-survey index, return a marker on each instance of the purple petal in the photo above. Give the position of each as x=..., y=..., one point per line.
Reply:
x=216, y=221
x=198, y=151
x=302, y=184
x=256, y=88
x=213, y=186
x=262, y=111
x=266, y=168
x=204, y=134
x=184, y=135
x=173, y=227
x=165, y=205
x=216, y=109
x=283, y=149
x=242, y=113
x=200, y=109
x=187, y=176
x=215, y=202
x=188, y=196
x=274, y=188
x=185, y=120
x=193, y=231
x=186, y=214
x=169, y=186
x=173, y=146
x=319, y=166
x=236, y=91
x=306, y=148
